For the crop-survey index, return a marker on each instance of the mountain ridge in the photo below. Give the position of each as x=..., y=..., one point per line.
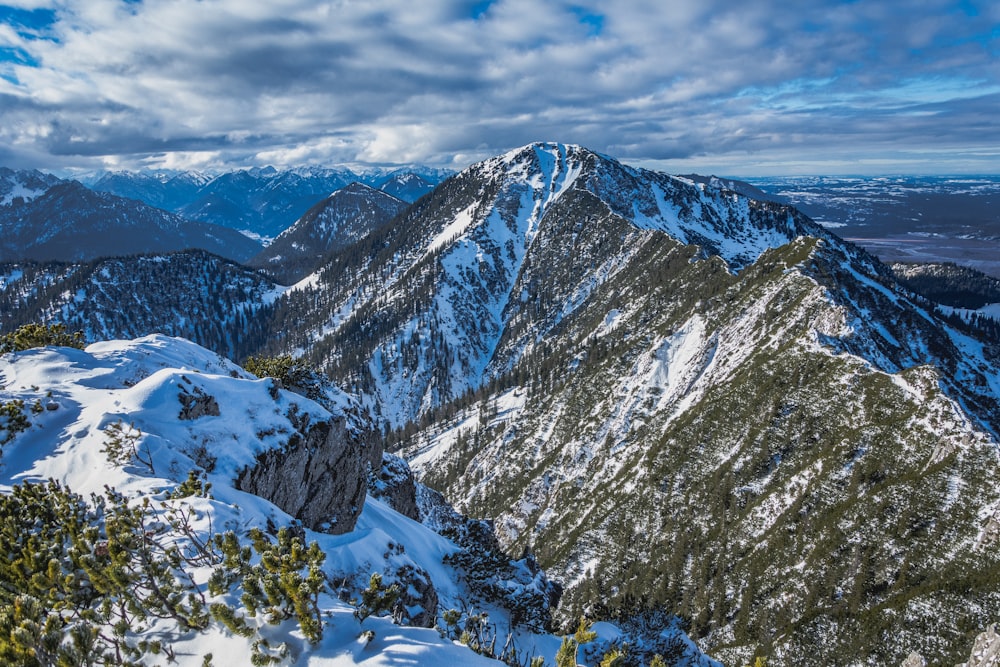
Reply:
x=66, y=221
x=560, y=274
x=331, y=224
x=262, y=201
x=683, y=400
x=483, y=241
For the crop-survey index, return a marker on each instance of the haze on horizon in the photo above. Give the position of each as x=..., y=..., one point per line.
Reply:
x=748, y=89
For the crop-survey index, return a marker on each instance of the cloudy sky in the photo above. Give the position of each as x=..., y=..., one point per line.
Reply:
x=755, y=87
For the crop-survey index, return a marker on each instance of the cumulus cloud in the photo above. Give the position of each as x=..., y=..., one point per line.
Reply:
x=239, y=82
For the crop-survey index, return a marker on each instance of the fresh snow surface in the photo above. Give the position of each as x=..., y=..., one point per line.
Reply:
x=452, y=230
x=19, y=190
x=259, y=238
x=83, y=391
x=990, y=310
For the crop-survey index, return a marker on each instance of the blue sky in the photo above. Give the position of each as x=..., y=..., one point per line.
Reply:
x=754, y=88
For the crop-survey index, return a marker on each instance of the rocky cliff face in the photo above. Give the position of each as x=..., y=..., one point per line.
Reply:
x=985, y=652
x=318, y=477
x=393, y=484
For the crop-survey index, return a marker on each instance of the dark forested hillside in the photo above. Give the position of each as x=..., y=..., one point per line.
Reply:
x=204, y=298
x=331, y=225
x=68, y=222
x=949, y=284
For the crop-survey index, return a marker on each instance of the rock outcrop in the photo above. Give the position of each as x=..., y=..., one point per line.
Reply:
x=318, y=478
x=418, y=599
x=196, y=403
x=393, y=484
x=986, y=650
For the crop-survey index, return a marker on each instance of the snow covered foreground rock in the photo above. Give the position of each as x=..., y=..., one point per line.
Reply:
x=129, y=541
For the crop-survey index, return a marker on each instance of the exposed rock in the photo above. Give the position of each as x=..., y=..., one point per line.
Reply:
x=914, y=660
x=196, y=403
x=986, y=650
x=393, y=484
x=370, y=443
x=418, y=599
x=990, y=533
x=319, y=479
x=437, y=514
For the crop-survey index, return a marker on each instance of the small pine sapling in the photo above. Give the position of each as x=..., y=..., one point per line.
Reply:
x=377, y=599
x=121, y=446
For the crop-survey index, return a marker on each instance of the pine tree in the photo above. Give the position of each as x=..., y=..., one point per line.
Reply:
x=566, y=655
x=30, y=336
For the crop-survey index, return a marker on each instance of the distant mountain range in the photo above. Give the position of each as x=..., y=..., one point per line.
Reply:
x=261, y=202
x=44, y=218
x=333, y=224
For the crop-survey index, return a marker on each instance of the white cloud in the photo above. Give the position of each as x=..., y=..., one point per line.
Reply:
x=395, y=81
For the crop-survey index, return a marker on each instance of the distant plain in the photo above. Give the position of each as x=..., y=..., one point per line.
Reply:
x=905, y=218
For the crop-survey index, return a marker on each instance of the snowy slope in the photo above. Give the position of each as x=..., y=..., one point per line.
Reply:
x=719, y=445
x=83, y=394
x=23, y=186
x=478, y=271
x=85, y=391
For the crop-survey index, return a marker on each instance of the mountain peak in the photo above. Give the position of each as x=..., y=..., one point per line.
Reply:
x=542, y=154
x=357, y=188
x=340, y=219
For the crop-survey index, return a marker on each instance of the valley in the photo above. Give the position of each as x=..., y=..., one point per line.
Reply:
x=905, y=219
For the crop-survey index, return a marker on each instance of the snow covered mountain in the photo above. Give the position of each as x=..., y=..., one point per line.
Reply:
x=686, y=401
x=23, y=186
x=264, y=201
x=407, y=186
x=171, y=496
x=680, y=398
x=63, y=220
x=167, y=190
x=473, y=275
x=333, y=224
